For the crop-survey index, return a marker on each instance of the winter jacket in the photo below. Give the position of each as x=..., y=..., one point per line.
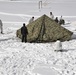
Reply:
x=24, y=30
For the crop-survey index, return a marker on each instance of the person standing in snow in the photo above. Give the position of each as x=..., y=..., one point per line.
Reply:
x=31, y=20
x=24, y=33
x=1, y=26
x=51, y=15
x=61, y=17
x=56, y=19
x=61, y=21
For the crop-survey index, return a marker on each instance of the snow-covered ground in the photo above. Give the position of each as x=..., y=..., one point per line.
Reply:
x=17, y=58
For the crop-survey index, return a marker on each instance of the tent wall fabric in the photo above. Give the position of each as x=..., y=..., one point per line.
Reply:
x=44, y=29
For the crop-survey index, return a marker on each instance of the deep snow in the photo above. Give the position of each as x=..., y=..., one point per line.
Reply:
x=17, y=58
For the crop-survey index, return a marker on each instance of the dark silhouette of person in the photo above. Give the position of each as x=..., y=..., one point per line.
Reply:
x=56, y=19
x=1, y=26
x=24, y=33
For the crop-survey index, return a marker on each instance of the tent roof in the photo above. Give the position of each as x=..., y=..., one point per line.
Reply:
x=44, y=29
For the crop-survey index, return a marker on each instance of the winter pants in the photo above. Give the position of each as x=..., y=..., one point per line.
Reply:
x=24, y=38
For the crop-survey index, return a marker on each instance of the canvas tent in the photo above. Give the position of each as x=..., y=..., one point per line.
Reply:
x=44, y=29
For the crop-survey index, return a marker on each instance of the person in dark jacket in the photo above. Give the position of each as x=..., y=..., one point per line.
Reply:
x=24, y=33
x=1, y=26
x=56, y=19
